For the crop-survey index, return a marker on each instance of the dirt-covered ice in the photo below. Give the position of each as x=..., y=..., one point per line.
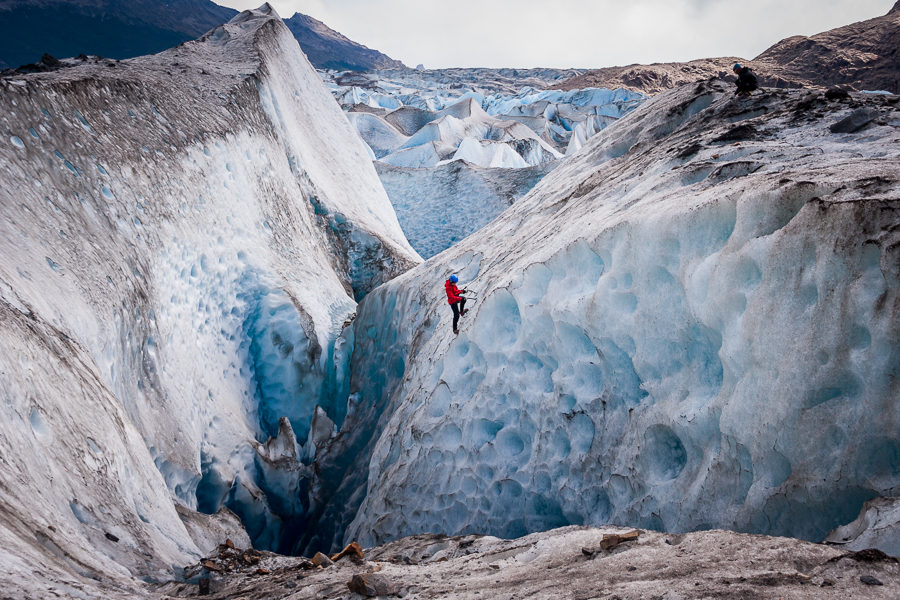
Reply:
x=575, y=563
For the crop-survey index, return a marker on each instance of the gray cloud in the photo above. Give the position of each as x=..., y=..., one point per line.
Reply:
x=573, y=33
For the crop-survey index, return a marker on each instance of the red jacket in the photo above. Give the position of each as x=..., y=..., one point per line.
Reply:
x=453, y=293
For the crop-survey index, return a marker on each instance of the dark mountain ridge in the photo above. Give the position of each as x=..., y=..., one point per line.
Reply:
x=327, y=49
x=123, y=29
x=859, y=56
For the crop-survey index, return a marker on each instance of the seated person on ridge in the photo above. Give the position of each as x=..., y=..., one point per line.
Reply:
x=746, y=80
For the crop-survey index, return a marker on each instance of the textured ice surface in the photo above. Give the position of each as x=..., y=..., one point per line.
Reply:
x=536, y=125
x=377, y=133
x=691, y=323
x=489, y=153
x=439, y=207
x=182, y=238
x=464, y=131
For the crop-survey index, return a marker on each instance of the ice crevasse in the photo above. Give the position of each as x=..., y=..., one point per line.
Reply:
x=690, y=324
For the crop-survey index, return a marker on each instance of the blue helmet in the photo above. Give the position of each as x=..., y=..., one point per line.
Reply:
x=736, y=67
x=454, y=279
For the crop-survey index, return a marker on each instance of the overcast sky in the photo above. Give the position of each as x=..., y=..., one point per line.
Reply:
x=572, y=33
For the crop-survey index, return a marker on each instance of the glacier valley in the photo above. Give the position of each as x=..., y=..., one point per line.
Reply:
x=682, y=318
x=466, y=143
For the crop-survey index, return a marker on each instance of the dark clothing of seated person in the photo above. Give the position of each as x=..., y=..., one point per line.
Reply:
x=746, y=80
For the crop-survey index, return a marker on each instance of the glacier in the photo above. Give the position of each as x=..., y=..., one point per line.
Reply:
x=395, y=115
x=422, y=128
x=692, y=323
x=213, y=325
x=183, y=236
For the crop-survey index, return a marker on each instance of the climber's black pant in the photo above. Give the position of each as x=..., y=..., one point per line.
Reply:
x=457, y=307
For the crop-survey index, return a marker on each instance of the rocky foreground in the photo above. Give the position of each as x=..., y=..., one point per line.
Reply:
x=571, y=562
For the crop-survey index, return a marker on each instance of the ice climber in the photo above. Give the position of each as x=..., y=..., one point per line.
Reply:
x=456, y=300
x=746, y=80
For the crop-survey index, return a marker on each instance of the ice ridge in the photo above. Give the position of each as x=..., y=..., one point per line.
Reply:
x=182, y=238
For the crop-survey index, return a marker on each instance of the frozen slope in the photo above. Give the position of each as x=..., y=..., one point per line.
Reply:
x=692, y=323
x=464, y=129
x=440, y=206
x=182, y=237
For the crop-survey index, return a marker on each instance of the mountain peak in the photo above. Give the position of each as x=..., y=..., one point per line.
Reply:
x=266, y=10
x=328, y=49
x=120, y=29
